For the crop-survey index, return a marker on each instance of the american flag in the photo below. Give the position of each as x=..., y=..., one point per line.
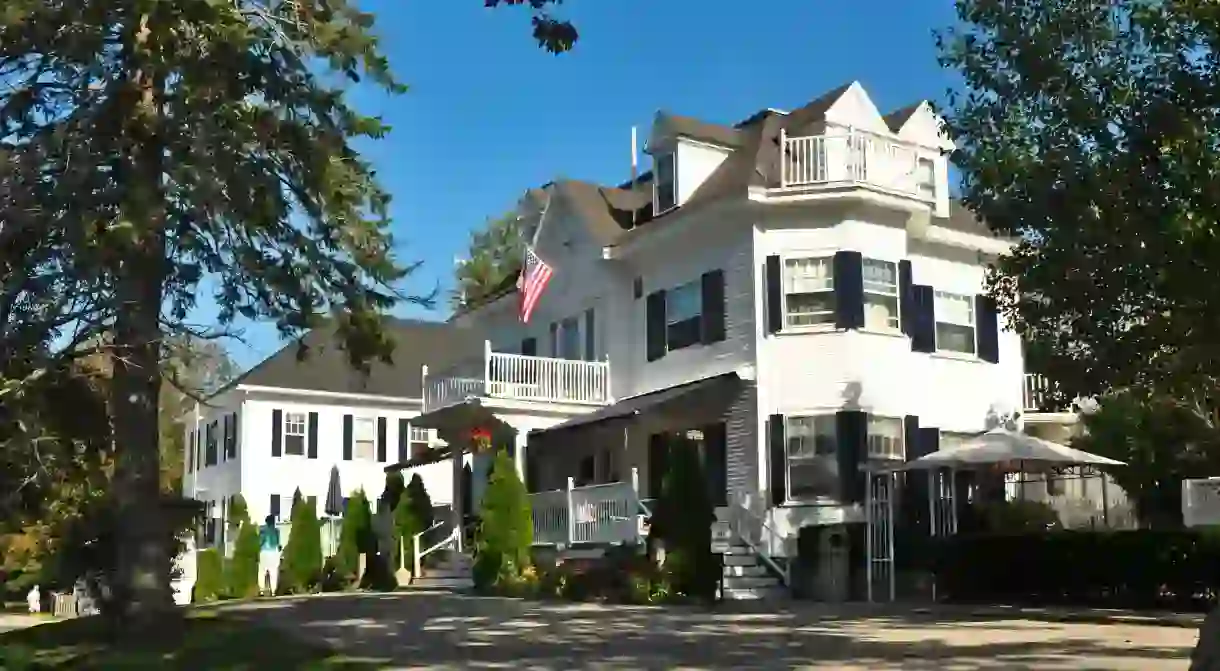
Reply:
x=532, y=282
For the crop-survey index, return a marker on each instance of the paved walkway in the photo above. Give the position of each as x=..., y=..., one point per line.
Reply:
x=10, y=622
x=440, y=631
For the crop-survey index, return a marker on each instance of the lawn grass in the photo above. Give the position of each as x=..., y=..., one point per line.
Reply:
x=208, y=641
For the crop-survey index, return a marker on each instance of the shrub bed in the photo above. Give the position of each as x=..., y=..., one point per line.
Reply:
x=1142, y=569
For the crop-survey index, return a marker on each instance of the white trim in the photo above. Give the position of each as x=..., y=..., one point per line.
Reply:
x=289, y=391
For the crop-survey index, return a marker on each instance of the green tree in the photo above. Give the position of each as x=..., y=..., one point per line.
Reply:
x=1085, y=131
x=1161, y=442
x=421, y=503
x=682, y=521
x=156, y=143
x=356, y=534
x=506, y=528
x=290, y=554
x=406, y=525
x=209, y=576
x=243, y=566
x=394, y=488
x=494, y=257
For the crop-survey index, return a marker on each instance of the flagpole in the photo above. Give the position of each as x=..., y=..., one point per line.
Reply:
x=541, y=219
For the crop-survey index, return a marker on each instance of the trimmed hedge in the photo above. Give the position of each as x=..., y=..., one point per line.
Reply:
x=1143, y=569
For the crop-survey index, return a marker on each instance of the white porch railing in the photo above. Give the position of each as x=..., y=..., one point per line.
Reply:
x=599, y=514
x=441, y=535
x=519, y=377
x=748, y=519
x=1038, y=395
x=852, y=157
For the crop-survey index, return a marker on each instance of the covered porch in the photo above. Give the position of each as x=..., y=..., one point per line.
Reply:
x=594, y=477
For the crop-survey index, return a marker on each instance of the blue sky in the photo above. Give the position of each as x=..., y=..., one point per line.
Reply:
x=488, y=114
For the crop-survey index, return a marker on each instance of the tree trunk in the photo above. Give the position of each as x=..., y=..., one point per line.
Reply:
x=144, y=595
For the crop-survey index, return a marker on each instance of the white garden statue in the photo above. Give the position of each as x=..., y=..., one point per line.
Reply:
x=34, y=599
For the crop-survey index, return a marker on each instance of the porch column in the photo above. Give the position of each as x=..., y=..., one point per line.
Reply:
x=457, y=494
x=522, y=439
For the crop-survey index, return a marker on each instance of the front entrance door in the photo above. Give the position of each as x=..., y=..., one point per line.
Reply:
x=709, y=441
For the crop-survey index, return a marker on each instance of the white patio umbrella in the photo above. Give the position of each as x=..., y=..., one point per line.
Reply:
x=1011, y=449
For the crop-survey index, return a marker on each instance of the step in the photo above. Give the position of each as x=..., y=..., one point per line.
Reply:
x=446, y=573
x=432, y=582
x=737, y=549
x=774, y=593
x=744, y=570
x=749, y=582
x=740, y=559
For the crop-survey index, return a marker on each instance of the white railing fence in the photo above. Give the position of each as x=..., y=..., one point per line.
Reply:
x=598, y=514
x=748, y=519
x=519, y=377
x=851, y=157
x=442, y=534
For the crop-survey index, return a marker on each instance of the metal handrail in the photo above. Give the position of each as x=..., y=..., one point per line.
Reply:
x=743, y=510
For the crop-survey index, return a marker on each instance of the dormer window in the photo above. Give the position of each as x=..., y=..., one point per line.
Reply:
x=664, y=182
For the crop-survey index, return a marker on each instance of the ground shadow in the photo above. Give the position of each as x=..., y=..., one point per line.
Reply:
x=451, y=631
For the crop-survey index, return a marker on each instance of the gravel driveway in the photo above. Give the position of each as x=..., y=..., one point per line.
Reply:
x=445, y=631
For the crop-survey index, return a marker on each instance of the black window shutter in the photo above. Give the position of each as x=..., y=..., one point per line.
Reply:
x=989, y=328
x=778, y=461
x=929, y=441
x=590, y=335
x=923, y=329
x=849, y=290
x=910, y=437
x=711, y=325
x=654, y=316
x=347, y=437
x=658, y=463
x=775, y=295
x=277, y=432
x=715, y=450
x=275, y=506
x=852, y=428
x=311, y=447
x=236, y=432
x=381, y=439
x=190, y=452
x=906, y=298
x=529, y=347
x=404, y=440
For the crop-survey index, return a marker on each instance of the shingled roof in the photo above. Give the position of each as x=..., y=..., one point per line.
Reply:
x=417, y=343
x=753, y=160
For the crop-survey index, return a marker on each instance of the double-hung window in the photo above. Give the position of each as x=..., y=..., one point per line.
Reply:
x=813, y=471
x=880, y=295
x=809, y=291
x=683, y=310
x=421, y=440
x=294, y=433
x=955, y=330
x=885, y=438
x=365, y=438
x=925, y=178
x=665, y=181
x=569, y=339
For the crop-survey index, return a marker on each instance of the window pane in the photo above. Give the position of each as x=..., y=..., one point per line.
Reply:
x=880, y=312
x=569, y=347
x=880, y=277
x=885, y=438
x=665, y=168
x=294, y=444
x=682, y=334
x=813, y=470
x=805, y=275
x=953, y=308
x=809, y=309
x=954, y=338
x=684, y=302
x=420, y=434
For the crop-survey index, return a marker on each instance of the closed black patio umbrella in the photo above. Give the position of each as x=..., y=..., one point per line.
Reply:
x=334, y=494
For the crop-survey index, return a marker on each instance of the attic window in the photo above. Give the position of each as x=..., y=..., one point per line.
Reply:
x=664, y=183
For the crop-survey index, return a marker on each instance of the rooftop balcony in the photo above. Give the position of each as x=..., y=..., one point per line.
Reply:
x=855, y=158
x=518, y=377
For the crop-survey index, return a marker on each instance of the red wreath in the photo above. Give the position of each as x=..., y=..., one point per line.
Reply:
x=480, y=438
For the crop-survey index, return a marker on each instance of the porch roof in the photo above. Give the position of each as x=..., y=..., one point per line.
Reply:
x=689, y=395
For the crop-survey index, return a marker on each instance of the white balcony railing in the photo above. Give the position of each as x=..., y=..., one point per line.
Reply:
x=853, y=157
x=606, y=514
x=1038, y=395
x=519, y=377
